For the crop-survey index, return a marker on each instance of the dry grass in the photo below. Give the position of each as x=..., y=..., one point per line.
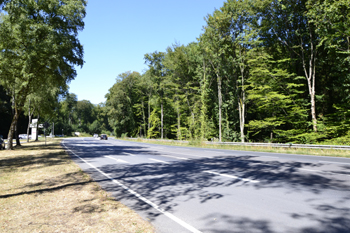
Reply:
x=319, y=152
x=42, y=190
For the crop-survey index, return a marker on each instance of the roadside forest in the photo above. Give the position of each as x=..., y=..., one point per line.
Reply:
x=39, y=50
x=266, y=71
x=260, y=71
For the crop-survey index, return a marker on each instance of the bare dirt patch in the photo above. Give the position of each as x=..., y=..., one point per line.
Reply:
x=43, y=190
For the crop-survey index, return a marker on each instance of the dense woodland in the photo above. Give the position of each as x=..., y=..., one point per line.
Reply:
x=262, y=71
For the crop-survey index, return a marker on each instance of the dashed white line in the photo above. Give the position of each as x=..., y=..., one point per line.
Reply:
x=160, y=161
x=233, y=177
x=189, y=155
x=169, y=215
x=175, y=157
x=272, y=157
x=118, y=160
x=128, y=154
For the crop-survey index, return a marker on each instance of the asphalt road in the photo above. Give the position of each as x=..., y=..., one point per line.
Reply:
x=182, y=189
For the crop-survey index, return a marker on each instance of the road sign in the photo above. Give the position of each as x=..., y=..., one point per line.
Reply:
x=46, y=125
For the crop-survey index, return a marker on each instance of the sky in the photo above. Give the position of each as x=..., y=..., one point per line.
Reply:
x=118, y=33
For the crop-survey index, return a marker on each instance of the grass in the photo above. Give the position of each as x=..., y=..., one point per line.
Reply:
x=43, y=190
x=198, y=144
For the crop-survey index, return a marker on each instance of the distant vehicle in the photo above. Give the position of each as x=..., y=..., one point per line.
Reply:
x=22, y=136
x=103, y=137
x=2, y=143
x=95, y=135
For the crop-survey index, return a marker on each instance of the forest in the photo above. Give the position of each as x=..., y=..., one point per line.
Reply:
x=260, y=71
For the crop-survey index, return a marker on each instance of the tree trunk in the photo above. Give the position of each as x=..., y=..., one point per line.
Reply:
x=11, y=133
x=161, y=117
x=37, y=131
x=241, y=108
x=220, y=105
x=30, y=120
x=204, y=107
x=18, y=142
x=241, y=101
x=178, y=120
x=144, y=117
x=149, y=113
x=311, y=79
x=192, y=114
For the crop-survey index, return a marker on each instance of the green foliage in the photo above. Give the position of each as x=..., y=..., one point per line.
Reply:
x=39, y=50
x=268, y=71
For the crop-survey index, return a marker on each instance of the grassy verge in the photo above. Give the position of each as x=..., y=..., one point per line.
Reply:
x=42, y=190
x=319, y=152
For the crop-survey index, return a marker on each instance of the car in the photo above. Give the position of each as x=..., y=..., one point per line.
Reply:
x=95, y=135
x=22, y=136
x=103, y=137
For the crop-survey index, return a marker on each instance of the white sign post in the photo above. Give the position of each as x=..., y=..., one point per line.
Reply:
x=33, y=126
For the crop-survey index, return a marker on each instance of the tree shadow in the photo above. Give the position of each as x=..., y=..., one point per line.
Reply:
x=25, y=162
x=168, y=184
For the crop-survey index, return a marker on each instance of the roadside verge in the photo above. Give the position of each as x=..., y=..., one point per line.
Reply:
x=43, y=190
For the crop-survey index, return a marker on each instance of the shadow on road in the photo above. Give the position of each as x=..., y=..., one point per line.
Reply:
x=188, y=179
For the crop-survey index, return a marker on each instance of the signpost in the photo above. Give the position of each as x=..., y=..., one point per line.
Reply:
x=46, y=125
x=33, y=126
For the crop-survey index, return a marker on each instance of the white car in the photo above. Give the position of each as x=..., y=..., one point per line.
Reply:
x=22, y=136
x=95, y=135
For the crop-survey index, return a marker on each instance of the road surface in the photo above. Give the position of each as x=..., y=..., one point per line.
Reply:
x=184, y=189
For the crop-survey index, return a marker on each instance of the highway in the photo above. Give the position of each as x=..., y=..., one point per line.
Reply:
x=185, y=189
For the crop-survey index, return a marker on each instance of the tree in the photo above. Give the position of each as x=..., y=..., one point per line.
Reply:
x=286, y=22
x=39, y=46
x=156, y=67
x=120, y=102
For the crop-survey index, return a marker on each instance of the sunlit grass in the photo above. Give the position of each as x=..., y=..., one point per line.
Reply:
x=304, y=151
x=43, y=190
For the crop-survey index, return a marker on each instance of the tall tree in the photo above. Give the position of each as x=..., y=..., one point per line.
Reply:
x=39, y=46
x=156, y=67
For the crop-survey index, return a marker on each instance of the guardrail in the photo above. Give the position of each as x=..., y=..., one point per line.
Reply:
x=284, y=145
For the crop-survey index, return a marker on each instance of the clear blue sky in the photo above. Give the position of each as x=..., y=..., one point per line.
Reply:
x=118, y=33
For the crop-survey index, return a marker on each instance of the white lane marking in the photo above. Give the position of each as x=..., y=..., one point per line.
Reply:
x=174, y=157
x=189, y=155
x=333, y=162
x=128, y=153
x=169, y=215
x=118, y=160
x=159, y=161
x=234, y=177
x=268, y=157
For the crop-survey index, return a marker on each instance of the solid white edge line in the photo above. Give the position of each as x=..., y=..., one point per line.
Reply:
x=234, y=177
x=161, y=161
x=118, y=160
x=169, y=215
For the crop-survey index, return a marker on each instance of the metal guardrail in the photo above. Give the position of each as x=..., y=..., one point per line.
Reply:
x=286, y=145
x=283, y=145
